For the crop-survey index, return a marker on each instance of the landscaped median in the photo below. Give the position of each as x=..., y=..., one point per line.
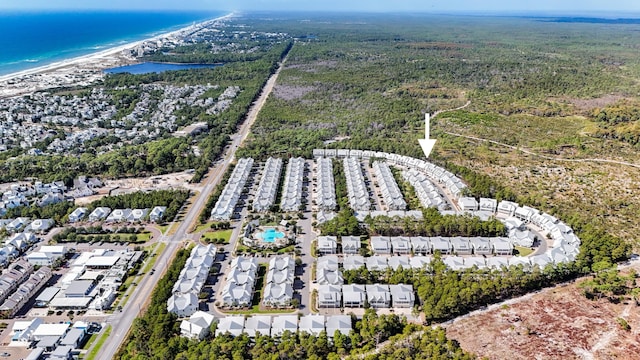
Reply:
x=98, y=344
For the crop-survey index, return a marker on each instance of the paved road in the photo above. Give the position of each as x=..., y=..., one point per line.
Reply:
x=307, y=235
x=121, y=322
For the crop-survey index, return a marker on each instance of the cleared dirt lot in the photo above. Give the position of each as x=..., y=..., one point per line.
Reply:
x=558, y=323
x=178, y=180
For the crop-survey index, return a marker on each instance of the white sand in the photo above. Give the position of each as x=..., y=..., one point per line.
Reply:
x=82, y=70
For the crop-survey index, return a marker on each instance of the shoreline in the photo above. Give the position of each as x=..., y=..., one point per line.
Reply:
x=90, y=66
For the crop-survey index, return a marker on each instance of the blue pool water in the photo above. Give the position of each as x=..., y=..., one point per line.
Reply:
x=153, y=67
x=270, y=235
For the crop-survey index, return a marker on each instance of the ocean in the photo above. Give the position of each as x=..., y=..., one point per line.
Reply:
x=34, y=39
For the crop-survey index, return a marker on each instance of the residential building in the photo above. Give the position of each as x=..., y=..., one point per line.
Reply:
x=340, y=323
x=327, y=245
x=401, y=245
x=292, y=189
x=353, y=295
x=389, y=187
x=481, y=245
x=353, y=262
x=183, y=304
x=325, y=193
x=397, y=262
x=157, y=214
x=381, y=244
x=99, y=213
x=232, y=324
x=312, y=324
x=258, y=325
x=376, y=263
x=226, y=204
x=378, y=295
x=461, y=245
x=356, y=187
x=268, y=186
x=351, y=244
x=402, y=296
x=197, y=326
x=468, y=204
x=420, y=245
x=283, y=323
x=329, y=296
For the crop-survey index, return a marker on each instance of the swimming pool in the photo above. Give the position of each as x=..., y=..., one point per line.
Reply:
x=270, y=235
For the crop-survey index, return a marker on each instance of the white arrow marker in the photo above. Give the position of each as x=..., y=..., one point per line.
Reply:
x=426, y=143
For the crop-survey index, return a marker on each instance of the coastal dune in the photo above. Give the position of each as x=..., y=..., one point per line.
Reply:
x=84, y=70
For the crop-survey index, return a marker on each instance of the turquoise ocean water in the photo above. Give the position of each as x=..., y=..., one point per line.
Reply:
x=30, y=39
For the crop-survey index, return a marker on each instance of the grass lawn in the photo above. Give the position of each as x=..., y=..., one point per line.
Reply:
x=103, y=337
x=220, y=234
x=163, y=228
x=522, y=251
x=203, y=227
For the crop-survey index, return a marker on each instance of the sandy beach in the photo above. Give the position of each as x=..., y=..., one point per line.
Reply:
x=84, y=70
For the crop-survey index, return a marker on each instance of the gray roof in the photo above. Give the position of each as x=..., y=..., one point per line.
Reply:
x=73, y=336
x=233, y=324
x=282, y=323
x=340, y=323
x=258, y=324
x=313, y=324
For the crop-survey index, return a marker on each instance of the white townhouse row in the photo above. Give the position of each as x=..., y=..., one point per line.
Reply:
x=451, y=182
x=226, y=204
x=356, y=187
x=564, y=248
x=292, y=190
x=325, y=191
x=193, y=276
x=328, y=271
x=107, y=215
x=240, y=282
x=395, y=262
x=426, y=192
x=389, y=187
x=278, y=291
x=357, y=296
x=404, y=245
x=276, y=326
x=268, y=187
